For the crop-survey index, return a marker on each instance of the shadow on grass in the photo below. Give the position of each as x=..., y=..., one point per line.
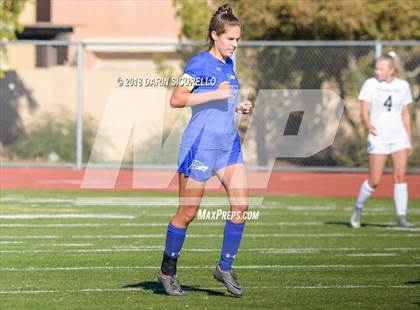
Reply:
x=156, y=288
x=343, y=223
x=415, y=282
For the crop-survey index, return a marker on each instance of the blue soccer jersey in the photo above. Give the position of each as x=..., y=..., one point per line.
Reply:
x=212, y=125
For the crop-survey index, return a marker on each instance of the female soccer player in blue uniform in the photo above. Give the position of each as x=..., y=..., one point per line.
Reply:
x=210, y=146
x=385, y=99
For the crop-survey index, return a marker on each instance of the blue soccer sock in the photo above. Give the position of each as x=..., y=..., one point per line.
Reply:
x=175, y=237
x=231, y=240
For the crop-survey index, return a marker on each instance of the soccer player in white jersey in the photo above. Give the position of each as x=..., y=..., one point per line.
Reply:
x=385, y=99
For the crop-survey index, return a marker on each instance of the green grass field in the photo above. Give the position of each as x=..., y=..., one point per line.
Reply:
x=101, y=250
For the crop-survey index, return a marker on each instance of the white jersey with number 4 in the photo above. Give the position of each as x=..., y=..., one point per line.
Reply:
x=386, y=102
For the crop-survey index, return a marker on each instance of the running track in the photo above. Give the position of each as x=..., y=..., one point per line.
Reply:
x=281, y=183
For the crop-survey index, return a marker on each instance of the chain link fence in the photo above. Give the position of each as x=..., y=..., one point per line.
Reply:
x=54, y=96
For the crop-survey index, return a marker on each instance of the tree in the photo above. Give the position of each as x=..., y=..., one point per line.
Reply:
x=310, y=19
x=194, y=16
x=291, y=67
x=329, y=20
x=9, y=25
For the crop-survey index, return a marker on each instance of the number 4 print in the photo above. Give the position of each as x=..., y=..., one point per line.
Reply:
x=388, y=103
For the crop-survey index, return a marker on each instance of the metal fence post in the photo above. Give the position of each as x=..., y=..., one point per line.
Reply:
x=378, y=49
x=79, y=120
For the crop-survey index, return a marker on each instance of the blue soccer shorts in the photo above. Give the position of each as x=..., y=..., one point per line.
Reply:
x=202, y=164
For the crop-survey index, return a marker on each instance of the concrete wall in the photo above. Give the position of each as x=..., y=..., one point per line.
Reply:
x=117, y=19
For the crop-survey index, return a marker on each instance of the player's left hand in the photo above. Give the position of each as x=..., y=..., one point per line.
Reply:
x=245, y=107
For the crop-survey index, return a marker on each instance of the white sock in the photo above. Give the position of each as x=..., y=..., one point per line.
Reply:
x=401, y=198
x=365, y=192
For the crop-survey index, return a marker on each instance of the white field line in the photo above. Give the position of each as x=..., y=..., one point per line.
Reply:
x=137, y=202
x=67, y=244
x=321, y=235
x=351, y=286
x=299, y=209
x=198, y=223
x=248, y=267
x=66, y=216
x=146, y=214
x=332, y=213
x=139, y=249
x=314, y=208
x=367, y=254
x=146, y=201
x=127, y=201
x=167, y=215
x=20, y=199
x=262, y=210
x=398, y=228
x=209, y=250
x=159, y=249
x=136, y=248
x=310, y=212
x=133, y=289
x=282, y=208
x=163, y=224
x=157, y=201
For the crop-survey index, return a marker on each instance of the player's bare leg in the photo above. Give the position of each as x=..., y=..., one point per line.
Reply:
x=190, y=195
x=376, y=169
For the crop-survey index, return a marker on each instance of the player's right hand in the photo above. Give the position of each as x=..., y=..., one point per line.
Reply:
x=224, y=90
x=372, y=130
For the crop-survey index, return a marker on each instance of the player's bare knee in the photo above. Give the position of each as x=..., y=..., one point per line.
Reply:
x=374, y=182
x=185, y=216
x=399, y=177
x=189, y=214
x=240, y=208
x=238, y=197
x=239, y=202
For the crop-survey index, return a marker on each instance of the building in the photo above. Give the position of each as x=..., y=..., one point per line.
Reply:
x=121, y=38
